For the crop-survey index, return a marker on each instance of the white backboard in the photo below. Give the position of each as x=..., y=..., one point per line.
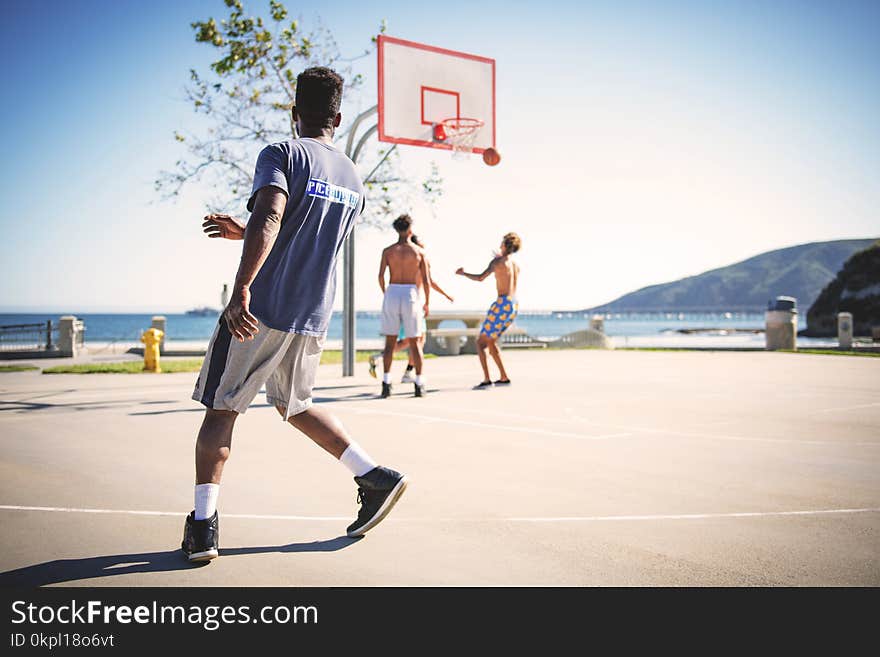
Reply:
x=421, y=85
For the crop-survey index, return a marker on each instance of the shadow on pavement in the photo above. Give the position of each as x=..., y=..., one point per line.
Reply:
x=194, y=409
x=342, y=387
x=72, y=570
x=361, y=396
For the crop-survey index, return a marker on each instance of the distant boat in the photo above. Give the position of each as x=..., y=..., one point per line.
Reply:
x=203, y=312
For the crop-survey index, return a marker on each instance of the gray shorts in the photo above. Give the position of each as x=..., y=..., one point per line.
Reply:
x=234, y=372
x=402, y=309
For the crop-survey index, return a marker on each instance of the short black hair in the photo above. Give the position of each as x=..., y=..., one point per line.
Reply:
x=402, y=223
x=318, y=96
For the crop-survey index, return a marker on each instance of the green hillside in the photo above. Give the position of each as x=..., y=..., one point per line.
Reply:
x=800, y=271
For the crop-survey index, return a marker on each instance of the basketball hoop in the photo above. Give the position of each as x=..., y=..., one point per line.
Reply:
x=460, y=133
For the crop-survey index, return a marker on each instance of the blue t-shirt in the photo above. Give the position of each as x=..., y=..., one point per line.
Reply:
x=295, y=287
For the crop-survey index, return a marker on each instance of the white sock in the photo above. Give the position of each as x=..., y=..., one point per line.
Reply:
x=206, y=500
x=386, y=378
x=357, y=460
x=419, y=380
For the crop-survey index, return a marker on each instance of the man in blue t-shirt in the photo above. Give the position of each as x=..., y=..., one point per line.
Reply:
x=306, y=197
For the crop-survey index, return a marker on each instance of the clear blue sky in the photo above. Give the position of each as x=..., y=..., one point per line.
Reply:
x=694, y=133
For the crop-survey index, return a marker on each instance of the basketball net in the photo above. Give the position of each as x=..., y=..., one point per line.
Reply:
x=460, y=133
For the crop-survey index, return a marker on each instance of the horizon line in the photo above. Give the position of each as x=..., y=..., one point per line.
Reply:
x=534, y=311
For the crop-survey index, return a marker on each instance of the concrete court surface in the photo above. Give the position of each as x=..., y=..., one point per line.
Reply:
x=593, y=468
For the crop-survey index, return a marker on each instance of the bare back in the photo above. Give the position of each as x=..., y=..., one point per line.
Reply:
x=506, y=274
x=404, y=262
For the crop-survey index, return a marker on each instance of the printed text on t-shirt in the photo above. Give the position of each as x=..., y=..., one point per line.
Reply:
x=333, y=193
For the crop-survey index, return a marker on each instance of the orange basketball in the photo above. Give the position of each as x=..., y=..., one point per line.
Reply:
x=491, y=157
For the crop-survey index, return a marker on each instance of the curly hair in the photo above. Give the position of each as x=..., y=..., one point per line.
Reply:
x=512, y=242
x=402, y=223
x=318, y=96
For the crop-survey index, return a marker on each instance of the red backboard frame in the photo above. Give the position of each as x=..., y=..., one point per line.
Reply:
x=383, y=136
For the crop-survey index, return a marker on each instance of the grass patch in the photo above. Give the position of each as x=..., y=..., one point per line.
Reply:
x=334, y=356
x=127, y=367
x=17, y=368
x=836, y=352
x=170, y=366
x=689, y=349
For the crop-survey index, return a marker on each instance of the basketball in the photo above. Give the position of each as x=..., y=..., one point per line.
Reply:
x=491, y=157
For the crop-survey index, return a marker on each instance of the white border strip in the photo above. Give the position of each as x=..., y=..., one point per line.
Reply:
x=250, y=516
x=179, y=514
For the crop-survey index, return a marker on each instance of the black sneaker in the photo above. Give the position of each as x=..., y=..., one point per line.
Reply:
x=421, y=391
x=386, y=390
x=201, y=538
x=378, y=492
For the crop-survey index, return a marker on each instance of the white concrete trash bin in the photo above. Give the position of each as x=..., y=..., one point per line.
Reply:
x=780, y=324
x=844, y=330
x=69, y=330
x=597, y=323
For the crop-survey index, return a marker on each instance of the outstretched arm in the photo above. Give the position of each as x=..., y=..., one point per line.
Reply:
x=259, y=238
x=223, y=225
x=435, y=286
x=478, y=277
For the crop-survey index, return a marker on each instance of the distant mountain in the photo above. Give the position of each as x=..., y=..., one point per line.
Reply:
x=855, y=289
x=798, y=271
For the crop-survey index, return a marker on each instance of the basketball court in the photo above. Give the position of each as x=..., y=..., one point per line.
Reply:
x=593, y=468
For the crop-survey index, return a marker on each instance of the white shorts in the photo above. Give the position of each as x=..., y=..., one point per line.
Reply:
x=402, y=308
x=233, y=372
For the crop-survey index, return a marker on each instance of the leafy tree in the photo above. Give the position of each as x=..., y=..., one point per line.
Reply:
x=247, y=99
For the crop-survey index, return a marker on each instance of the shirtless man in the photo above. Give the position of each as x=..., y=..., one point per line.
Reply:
x=503, y=311
x=403, y=343
x=408, y=269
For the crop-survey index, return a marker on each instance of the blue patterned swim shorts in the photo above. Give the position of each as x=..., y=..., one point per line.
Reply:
x=500, y=316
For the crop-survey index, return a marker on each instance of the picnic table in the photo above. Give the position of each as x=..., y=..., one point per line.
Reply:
x=447, y=341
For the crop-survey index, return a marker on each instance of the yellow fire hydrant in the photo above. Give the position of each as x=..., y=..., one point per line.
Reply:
x=151, y=339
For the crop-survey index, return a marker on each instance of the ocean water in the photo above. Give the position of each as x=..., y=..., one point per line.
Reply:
x=629, y=329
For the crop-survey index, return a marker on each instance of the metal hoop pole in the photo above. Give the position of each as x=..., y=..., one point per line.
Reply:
x=376, y=168
x=362, y=141
x=348, y=308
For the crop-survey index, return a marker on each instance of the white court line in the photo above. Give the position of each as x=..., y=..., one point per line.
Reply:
x=129, y=512
x=691, y=434
x=843, y=408
x=514, y=416
x=482, y=425
x=624, y=431
x=249, y=516
x=697, y=516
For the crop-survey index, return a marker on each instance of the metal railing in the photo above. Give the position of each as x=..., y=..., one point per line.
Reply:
x=29, y=337
x=521, y=340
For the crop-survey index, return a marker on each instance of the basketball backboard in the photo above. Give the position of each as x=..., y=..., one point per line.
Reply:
x=420, y=86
